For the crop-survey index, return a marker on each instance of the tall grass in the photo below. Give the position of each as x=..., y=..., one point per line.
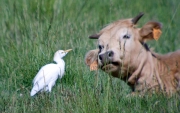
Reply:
x=32, y=30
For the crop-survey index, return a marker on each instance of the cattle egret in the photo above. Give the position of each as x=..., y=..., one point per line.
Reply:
x=48, y=74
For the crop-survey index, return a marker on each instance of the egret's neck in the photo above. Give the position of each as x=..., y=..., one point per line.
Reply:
x=59, y=61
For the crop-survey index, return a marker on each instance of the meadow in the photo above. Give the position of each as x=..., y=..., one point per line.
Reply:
x=32, y=30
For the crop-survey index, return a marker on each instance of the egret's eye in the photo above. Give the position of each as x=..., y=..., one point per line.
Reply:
x=126, y=36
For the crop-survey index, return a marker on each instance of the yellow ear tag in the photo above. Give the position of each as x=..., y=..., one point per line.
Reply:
x=94, y=66
x=156, y=33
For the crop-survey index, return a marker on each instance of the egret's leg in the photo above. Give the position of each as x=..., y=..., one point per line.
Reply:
x=46, y=88
x=50, y=85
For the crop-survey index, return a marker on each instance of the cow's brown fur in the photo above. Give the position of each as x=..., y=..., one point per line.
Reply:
x=132, y=61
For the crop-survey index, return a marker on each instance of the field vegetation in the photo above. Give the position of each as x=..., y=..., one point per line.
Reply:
x=32, y=30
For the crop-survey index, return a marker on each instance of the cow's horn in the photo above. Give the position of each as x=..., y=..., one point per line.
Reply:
x=94, y=36
x=135, y=19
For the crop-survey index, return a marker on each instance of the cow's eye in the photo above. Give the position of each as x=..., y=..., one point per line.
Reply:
x=126, y=36
x=100, y=47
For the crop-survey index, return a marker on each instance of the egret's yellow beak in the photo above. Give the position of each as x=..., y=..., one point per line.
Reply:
x=67, y=50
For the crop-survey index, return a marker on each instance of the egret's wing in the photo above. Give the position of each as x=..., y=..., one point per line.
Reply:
x=45, y=71
x=45, y=82
x=47, y=74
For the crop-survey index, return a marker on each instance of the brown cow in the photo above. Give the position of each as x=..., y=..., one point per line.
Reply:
x=123, y=53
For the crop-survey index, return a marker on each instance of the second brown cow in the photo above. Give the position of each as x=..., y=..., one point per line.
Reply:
x=123, y=53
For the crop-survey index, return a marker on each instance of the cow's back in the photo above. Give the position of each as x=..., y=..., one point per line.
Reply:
x=171, y=60
x=169, y=69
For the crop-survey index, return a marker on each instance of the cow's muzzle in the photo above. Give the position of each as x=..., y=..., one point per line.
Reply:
x=106, y=58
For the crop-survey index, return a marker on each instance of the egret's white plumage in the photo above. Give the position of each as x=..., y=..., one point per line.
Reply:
x=48, y=74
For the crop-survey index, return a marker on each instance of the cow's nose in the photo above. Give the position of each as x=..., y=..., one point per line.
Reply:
x=110, y=53
x=106, y=57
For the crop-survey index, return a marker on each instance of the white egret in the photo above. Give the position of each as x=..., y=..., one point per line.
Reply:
x=48, y=74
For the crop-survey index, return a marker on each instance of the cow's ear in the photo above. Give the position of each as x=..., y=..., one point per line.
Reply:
x=151, y=30
x=94, y=36
x=91, y=57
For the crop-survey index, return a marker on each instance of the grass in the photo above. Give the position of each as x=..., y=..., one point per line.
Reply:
x=32, y=30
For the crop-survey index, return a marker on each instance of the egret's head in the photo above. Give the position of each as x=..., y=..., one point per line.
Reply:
x=61, y=53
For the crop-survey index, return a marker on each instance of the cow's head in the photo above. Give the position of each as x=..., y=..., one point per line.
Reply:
x=120, y=43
